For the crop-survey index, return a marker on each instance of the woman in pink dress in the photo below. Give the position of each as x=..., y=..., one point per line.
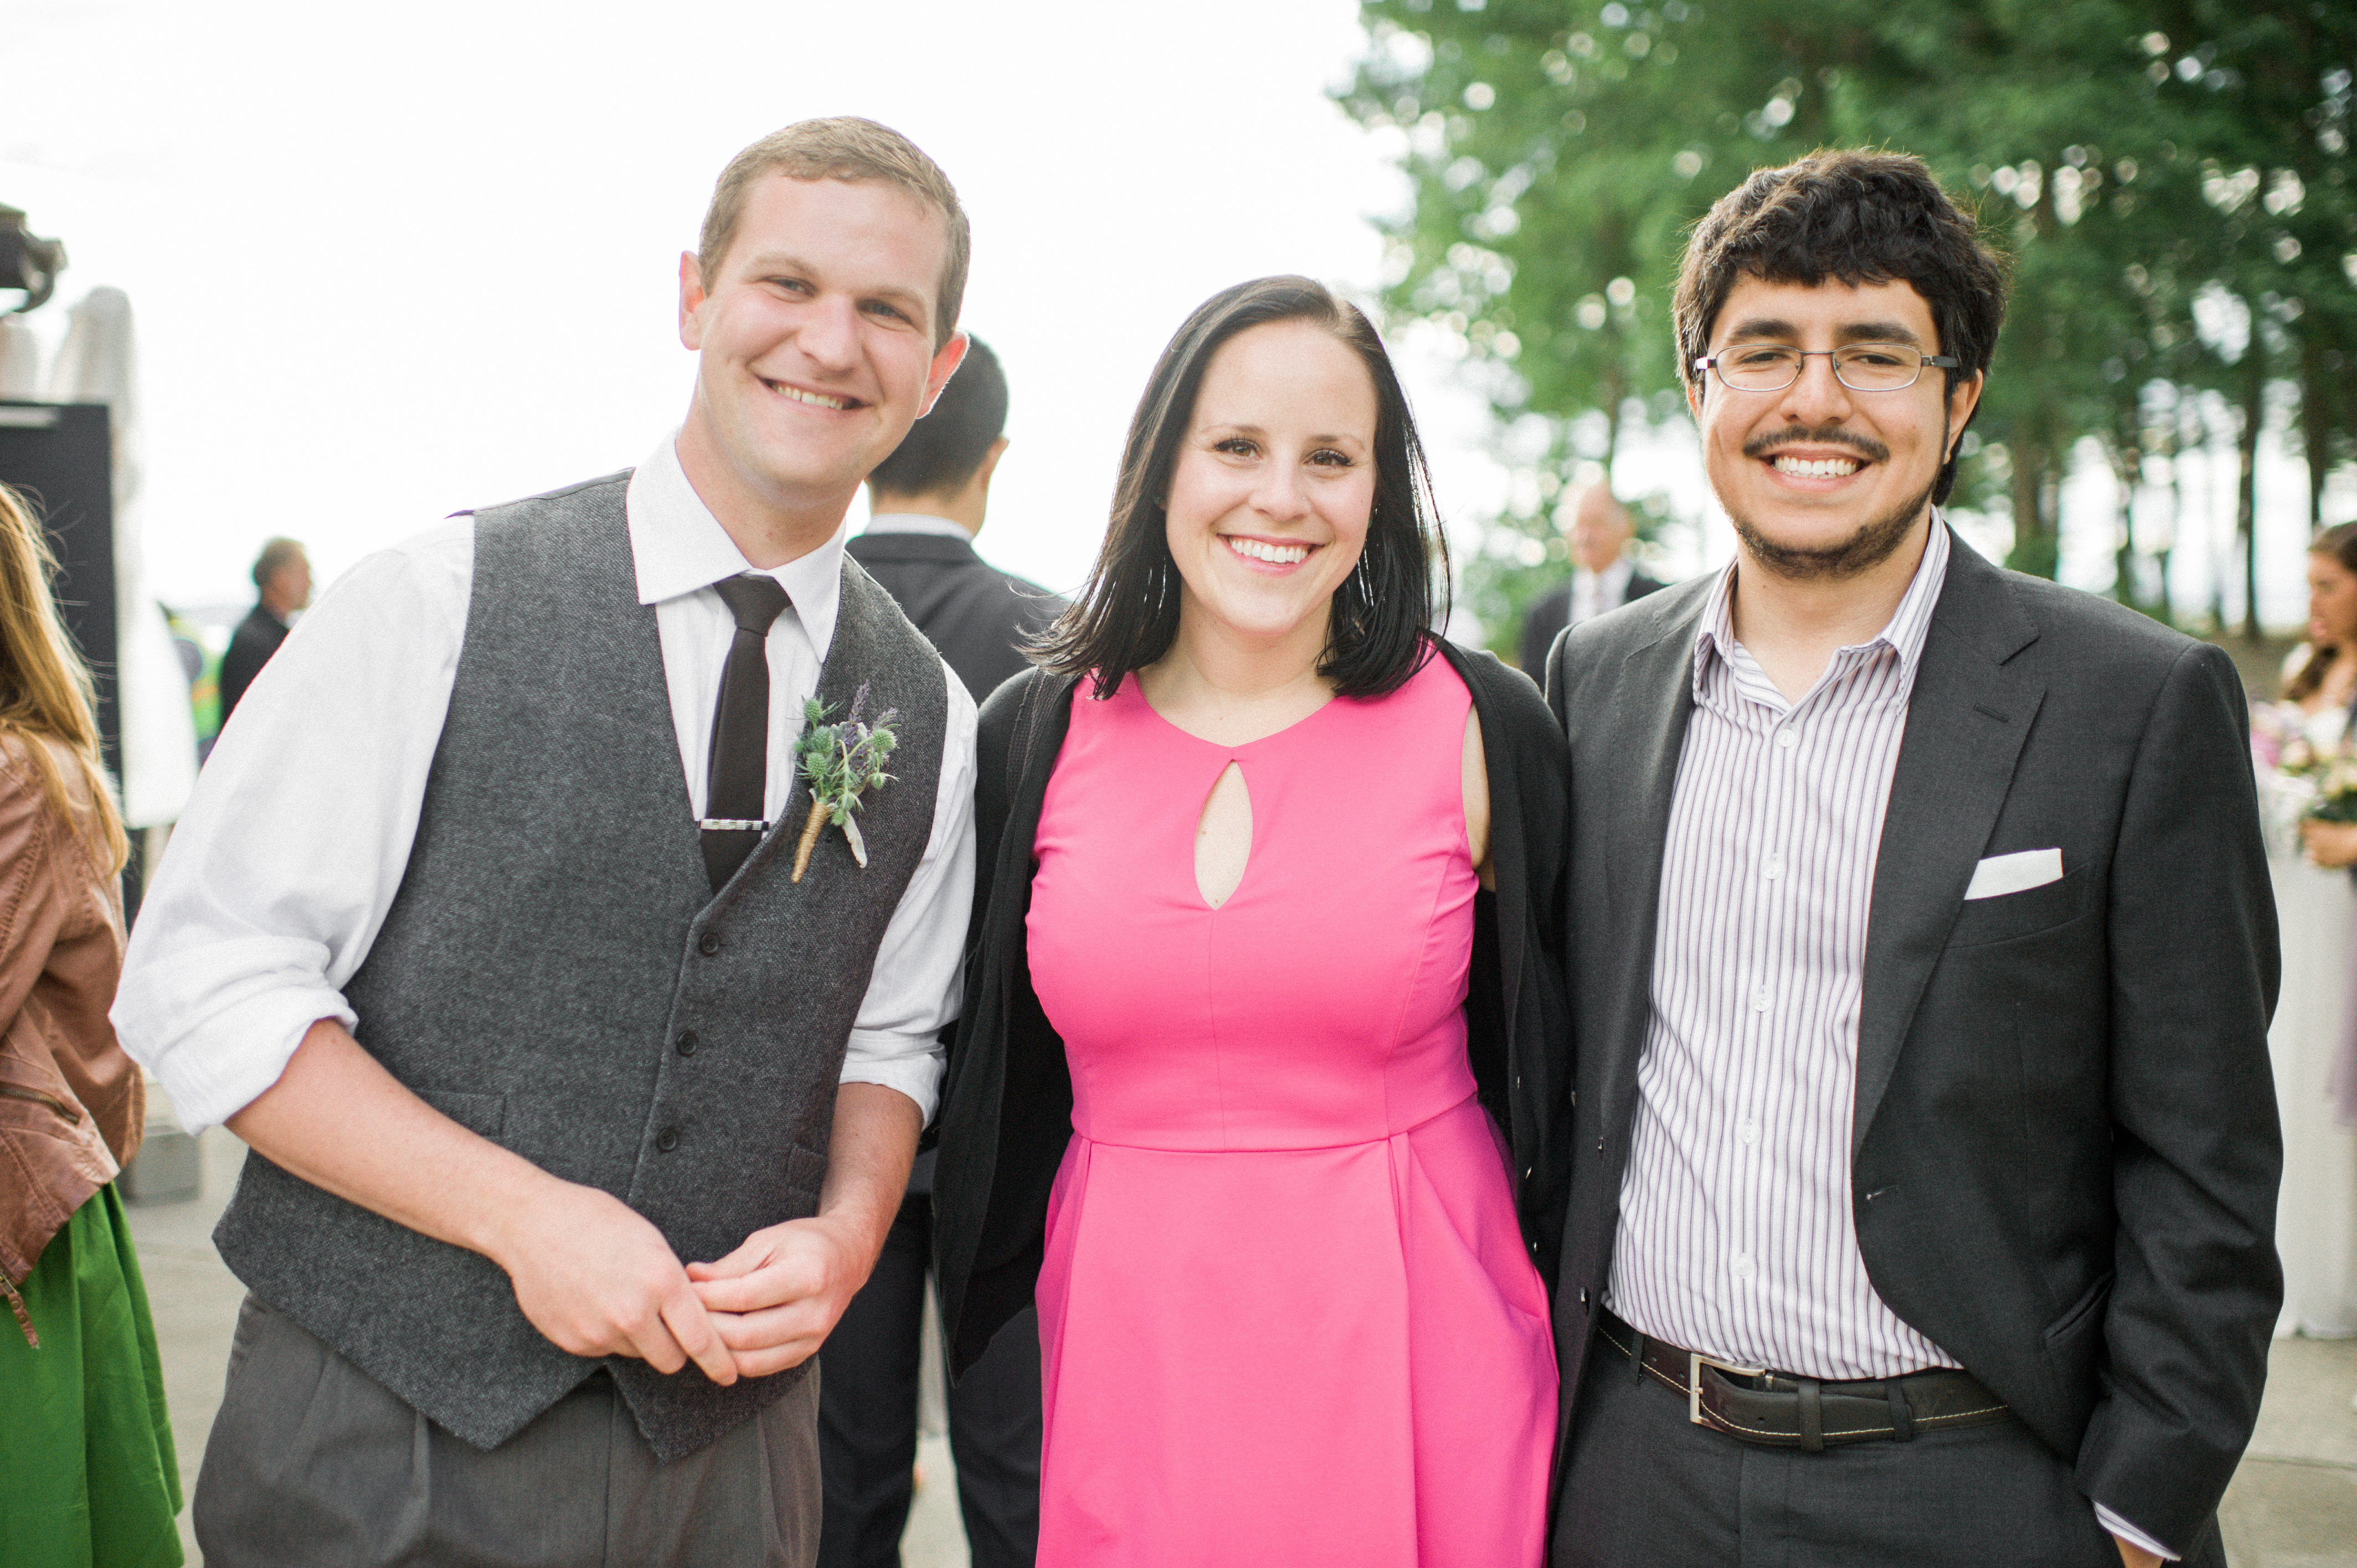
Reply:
x=1261, y=1088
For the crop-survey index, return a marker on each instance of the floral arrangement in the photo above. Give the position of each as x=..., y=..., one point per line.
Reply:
x=843, y=762
x=2308, y=784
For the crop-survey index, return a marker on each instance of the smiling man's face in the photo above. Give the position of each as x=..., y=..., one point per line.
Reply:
x=1819, y=480
x=817, y=336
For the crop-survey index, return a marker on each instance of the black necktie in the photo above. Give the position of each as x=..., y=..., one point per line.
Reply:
x=739, y=773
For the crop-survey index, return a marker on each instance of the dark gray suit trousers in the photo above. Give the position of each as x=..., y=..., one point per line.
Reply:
x=1645, y=1487
x=312, y=1464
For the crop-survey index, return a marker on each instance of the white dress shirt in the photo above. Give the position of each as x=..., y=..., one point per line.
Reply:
x=1593, y=593
x=916, y=522
x=1737, y=1237
x=283, y=869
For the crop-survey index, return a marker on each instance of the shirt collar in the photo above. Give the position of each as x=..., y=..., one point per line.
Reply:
x=677, y=547
x=1614, y=576
x=917, y=522
x=1904, y=634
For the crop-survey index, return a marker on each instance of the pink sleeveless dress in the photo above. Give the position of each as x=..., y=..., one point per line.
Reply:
x=1285, y=1313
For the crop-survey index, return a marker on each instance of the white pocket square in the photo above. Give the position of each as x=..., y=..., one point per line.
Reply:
x=2003, y=873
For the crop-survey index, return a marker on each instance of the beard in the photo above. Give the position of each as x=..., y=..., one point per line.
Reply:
x=1873, y=541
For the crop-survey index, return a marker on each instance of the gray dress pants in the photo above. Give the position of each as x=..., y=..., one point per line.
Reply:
x=312, y=1462
x=1645, y=1487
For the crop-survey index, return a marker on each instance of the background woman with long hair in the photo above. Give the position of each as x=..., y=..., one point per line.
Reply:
x=1260, y=1088
x=88, y=1477
x=2316, y=1218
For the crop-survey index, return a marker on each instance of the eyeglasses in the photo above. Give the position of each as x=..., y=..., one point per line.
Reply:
x=1861, y=367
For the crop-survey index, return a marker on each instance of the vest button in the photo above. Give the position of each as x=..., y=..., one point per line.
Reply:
x=667, y=1140
x=708, y=944
x=687, y=1042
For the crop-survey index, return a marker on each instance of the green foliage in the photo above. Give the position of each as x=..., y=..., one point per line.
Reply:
x=2151, y=170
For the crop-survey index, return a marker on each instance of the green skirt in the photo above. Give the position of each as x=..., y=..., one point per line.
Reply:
x=88, y=1475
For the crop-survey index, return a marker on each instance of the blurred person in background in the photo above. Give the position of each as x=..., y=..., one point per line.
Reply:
x=1602, y=577
x=282, y=578
x=1259, y=1089
x=2299, y=743
x=88, y=1474
x=927, y=501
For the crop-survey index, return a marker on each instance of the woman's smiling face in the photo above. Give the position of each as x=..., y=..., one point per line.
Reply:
x=1275, y=480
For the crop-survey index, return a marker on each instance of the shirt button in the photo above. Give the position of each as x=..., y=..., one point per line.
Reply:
x=667, y=1140
x=1748, y=1132
x=1760, y=998
x=687, y=1042
x=1787, y=739
x=1774, y=869
x=708, y=944
x=1744, y=1267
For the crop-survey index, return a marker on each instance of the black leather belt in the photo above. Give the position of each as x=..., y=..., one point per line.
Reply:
x=1783, y=1411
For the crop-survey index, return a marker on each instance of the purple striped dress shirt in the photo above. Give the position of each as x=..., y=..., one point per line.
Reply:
x=1735, y=1236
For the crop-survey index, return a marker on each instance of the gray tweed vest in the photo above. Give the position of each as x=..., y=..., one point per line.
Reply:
x=557, y=974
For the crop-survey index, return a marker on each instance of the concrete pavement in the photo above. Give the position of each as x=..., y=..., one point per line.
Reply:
x=2293, y=1504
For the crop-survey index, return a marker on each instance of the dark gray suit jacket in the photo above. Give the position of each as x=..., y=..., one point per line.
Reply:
x=2065, y=1150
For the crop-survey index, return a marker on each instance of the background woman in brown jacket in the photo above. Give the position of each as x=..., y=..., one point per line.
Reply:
x=87, y=1477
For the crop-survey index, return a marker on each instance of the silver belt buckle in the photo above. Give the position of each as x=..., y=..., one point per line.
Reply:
x=1695, y=1362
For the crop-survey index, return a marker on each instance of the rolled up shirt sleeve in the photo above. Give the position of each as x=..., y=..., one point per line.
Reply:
x=280, y=873
x=917, y=986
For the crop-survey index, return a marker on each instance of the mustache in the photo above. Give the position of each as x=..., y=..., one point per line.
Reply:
x=1865, y=446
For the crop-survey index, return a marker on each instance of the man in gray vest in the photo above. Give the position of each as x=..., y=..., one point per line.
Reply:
x=581, y=1059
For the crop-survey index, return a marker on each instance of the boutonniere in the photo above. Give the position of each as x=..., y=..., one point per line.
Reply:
x=843, y=762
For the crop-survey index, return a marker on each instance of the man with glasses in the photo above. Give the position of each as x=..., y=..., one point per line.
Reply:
x=1924, y=953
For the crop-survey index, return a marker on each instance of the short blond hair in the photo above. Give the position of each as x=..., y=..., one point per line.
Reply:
x=846, y=148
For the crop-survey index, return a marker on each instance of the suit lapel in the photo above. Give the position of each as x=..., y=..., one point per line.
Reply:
x=1647, y=720
x=1967, y=719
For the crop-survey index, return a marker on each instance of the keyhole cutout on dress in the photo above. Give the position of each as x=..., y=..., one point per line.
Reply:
x=1223, y=837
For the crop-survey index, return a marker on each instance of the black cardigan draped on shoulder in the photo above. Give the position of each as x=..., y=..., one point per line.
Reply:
x=1006, y=1102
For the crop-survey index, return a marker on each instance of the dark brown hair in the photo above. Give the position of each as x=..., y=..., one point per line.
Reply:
x=942, y=450
x=2339, y=542
x=1860, y=217
x=846, y=148
x=1126, y=614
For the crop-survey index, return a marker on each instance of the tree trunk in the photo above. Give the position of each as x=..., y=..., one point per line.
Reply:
x=2034, y=548
x=2246, y=491
x=2126, y=459
x=2315, y=424
x=1615, y=394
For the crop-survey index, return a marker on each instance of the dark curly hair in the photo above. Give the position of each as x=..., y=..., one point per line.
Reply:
x=1126, y=614
x=1860, y=217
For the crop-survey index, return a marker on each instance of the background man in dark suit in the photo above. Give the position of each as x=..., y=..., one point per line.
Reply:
x=928, y=500
x=1923, y=953
x=1602, y=577
x=282, y=578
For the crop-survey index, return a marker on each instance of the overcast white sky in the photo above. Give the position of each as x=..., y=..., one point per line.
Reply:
x=390, y=263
